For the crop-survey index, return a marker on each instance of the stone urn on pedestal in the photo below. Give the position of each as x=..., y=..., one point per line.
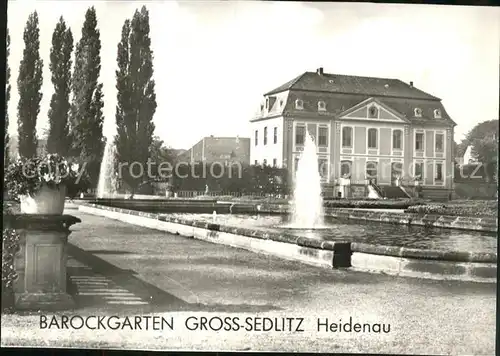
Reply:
x=41, y=185
x=47, y=200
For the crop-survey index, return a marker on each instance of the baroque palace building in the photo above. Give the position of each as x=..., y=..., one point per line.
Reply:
x=368, y=131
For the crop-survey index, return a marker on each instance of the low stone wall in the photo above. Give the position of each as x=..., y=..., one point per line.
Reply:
x=399, y=261
x=428, y=220
x=419, y=254
x=487, y=224
x=314, y=252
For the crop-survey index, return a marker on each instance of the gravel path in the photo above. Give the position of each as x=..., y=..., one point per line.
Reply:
x=197, y=278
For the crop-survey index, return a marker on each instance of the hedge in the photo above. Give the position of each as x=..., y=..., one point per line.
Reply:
x=245, y=180
x=370, y=204
x=10, y=246
x=477, y=209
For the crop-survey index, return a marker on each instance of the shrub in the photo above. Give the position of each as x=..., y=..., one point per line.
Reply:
x=10, y=246
x=369, y=204
x=427, y=209
x=251, y=179
x=27, y=175
x=472, y=209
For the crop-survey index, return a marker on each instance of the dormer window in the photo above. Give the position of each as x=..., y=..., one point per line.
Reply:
x=418, y=112
x=299, y=104
x=437, y=114
x=373, y=112
x=321, y=105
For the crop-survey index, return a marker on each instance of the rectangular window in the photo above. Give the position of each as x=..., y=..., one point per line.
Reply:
x=275, y=135
x=439, y=172
x=439, y=142
x=372, y=138
x=396, y=139
x=419, y=141
x=264, y=163
x=256, y=137
x=347, y=137
x=300, y=132
x=419, y=170
x=323, y=137
x=265, y=136
x=275, y=162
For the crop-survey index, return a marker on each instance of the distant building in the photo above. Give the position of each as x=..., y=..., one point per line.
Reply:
x=468, y=157
x=365, y=128
x=225, y=150
x=14, y=143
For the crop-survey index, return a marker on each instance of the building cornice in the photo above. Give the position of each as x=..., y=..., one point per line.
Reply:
x=380, y=96
x=267, y=117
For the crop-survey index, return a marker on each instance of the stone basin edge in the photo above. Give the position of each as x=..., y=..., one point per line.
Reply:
x=482, y=224
x=395, y=251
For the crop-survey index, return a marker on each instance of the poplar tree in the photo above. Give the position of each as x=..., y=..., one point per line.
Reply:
x=60, y=66
x=136, y=98
x=86, y=116
x=6, y=156
x=29, y=83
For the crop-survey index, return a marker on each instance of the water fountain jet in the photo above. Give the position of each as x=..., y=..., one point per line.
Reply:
x=307, y=203
x=107, y=187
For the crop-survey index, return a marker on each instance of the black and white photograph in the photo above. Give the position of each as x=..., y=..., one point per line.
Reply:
x=250, y=176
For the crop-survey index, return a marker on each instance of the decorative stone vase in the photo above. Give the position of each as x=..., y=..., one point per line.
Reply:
x=48, y=201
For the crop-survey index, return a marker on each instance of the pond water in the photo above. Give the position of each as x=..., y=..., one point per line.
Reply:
x=367, y=232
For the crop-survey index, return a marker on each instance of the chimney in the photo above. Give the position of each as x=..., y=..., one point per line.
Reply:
x=319, y=70
x=411, y=84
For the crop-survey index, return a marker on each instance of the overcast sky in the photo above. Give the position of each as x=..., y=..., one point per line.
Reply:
x=214, y=60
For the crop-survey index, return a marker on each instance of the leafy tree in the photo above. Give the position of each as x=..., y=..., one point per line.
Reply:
x=29, y=83
x=460, y=148
x=159, y=152
x=7, y=98
x=136, y=96
x=86, y=117
x=60, y=66
x=484, y=141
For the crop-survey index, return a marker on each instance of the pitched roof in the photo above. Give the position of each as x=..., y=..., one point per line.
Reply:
x=237, y=148
x=350, y=84
x=336, y=103
x=407, y=106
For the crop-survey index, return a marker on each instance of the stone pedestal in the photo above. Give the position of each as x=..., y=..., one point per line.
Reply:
x=41, y=261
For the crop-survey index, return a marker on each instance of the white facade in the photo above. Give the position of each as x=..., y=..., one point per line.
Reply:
x=270, y=150
x=323, y=151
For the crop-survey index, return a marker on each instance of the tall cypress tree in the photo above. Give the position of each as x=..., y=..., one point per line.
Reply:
x=60, y=66
x=29, y=83
x=6, y=156
x=124, y=123
x=86, y=118
x=136, y=95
